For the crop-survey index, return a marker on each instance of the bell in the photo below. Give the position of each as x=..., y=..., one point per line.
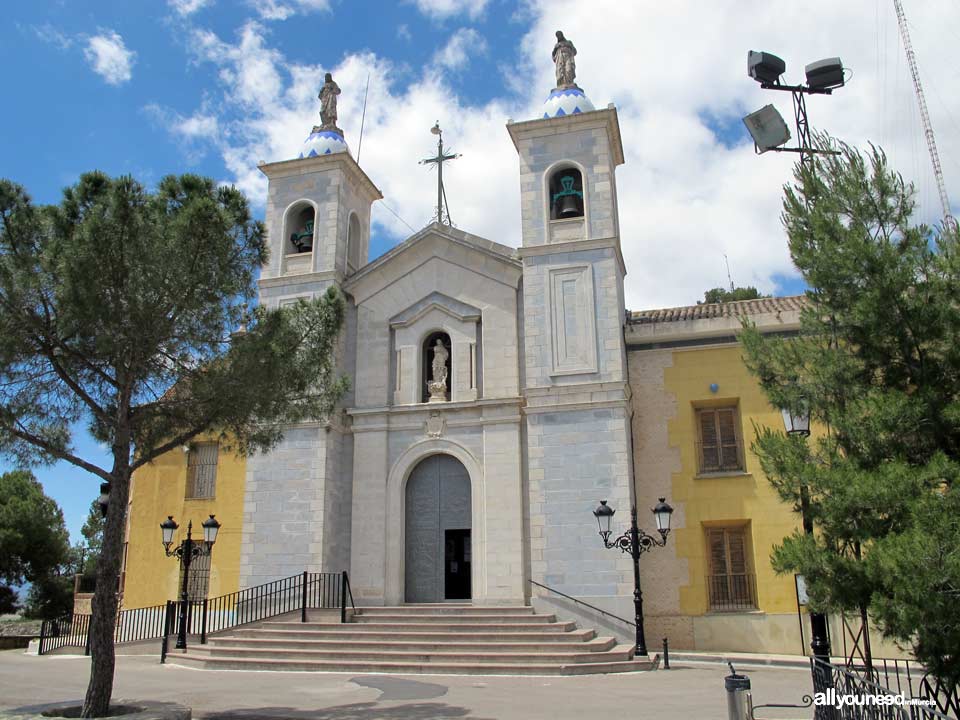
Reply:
x=569, y=206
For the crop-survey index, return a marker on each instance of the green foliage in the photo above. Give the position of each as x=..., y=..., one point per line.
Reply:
x=126, y=310
x=722, y=295
x=9, y=600
x=50, y=597
x=33, y=538
x=33, y=543
x=876, y=363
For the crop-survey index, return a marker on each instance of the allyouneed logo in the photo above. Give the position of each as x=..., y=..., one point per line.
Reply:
x=831, y=697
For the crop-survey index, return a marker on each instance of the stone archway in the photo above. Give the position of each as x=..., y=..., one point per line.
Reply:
x=437, y=531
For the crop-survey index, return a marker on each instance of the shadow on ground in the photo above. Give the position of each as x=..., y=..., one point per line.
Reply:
x=355, y=711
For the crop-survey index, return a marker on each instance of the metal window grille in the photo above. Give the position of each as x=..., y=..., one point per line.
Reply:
x=202, y=470
x=199, y=584
x=719, y=447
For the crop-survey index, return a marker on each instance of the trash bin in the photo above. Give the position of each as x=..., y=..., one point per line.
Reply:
x=738, y=692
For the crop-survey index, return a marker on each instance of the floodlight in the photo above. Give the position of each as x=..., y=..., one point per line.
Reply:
x=825, y=74
x=767, y=128
x=764, y=67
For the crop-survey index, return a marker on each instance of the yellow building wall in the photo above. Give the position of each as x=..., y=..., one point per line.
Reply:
x=725, y=499
x=158, y=490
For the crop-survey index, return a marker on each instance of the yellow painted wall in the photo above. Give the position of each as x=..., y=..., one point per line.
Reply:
x=725, y=499
x=158, y=491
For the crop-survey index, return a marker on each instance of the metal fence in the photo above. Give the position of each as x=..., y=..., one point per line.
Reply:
x=306, y=591
x=892, y=690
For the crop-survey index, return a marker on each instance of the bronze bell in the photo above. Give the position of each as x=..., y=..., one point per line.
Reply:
x=569, y=206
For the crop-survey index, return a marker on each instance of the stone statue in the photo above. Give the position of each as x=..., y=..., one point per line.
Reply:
x=328, y=105
x=438, y=384
x=563, y=53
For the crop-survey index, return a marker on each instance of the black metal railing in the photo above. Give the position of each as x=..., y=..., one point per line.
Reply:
x=298, y=592
x=631, y=623
x=862, y=694
x=731, y=592
x=910, y=678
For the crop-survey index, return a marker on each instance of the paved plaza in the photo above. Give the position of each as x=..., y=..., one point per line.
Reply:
x=686, y=691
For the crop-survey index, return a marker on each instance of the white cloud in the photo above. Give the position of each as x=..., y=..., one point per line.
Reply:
x=688, y=192
x=443, y=9
x=464, y=43
x=49, y=34
x=283, y=9
x=403, y=32
x=109, y=57
x=188, y=7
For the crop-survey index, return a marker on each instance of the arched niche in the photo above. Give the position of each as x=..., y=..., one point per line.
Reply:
x=354, y=243
x=300, y=228
x=565, y=196
x=428, y=354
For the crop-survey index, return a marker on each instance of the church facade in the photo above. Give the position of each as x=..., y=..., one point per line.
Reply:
x=497, y=395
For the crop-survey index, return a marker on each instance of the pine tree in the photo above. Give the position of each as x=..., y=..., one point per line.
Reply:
x=877, y=365
x=122, y=309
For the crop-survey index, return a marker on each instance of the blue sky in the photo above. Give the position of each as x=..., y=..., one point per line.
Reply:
x=215, y=86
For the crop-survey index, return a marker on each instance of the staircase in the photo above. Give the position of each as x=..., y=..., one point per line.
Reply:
x=435, y=639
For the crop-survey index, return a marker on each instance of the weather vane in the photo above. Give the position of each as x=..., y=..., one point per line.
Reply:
x=443, y=210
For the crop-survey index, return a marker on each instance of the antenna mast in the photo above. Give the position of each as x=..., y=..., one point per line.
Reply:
x=948, y=220
x=363, y=118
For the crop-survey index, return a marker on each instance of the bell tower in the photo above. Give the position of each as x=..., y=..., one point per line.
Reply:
x=318, y=228
x=577, y=409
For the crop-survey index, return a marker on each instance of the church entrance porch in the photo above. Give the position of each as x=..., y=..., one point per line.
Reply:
x=437, y=510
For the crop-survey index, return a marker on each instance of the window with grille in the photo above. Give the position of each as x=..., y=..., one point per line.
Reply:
x=202, y=470
x=719, y=445
x=199, y=576
x=730, y=584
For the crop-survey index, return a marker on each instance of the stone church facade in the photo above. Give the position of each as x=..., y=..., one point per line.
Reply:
x=472, y=493
x=497, y=394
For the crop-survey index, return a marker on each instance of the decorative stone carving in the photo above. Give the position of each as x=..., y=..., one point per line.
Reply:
x=563, y=54
x=437, y=385
x=435, y=425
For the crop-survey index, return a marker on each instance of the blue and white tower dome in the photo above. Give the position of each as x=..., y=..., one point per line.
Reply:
x=566, y=101
x=323, y=142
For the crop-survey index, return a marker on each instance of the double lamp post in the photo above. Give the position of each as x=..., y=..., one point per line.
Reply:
x=636, y=542
x=185, y=552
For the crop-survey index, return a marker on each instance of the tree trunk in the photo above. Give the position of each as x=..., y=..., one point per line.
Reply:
x=105, y=599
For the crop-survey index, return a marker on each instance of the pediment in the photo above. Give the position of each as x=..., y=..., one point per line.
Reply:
x=436, y=301
x=438, y=242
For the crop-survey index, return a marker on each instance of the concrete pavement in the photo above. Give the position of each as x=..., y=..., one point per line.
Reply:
x=686, y=691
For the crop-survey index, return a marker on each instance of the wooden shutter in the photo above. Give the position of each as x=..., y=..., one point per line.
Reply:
x=730, y=583
x=709, y=450
x=719, y=440
x=727, y=439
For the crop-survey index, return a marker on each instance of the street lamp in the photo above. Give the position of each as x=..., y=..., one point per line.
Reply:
x=186, y=552
x=797, y=424
x=635, y=542
x=766, y=126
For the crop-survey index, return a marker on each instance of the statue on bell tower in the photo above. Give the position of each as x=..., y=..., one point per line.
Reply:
x=328, y=105
x=563, y=54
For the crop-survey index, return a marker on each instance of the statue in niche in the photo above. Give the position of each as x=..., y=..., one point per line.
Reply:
x=328, y=105
x=438, y=382
x=563, y=54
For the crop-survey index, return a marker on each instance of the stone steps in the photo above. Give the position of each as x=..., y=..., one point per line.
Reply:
x=436, y=639
x=463, y=656
x=382, y=646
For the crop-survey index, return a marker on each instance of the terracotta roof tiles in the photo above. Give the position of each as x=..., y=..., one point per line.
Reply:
x=706, y=311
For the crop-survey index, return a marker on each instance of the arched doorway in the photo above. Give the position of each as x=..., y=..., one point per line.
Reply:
x=437, y=556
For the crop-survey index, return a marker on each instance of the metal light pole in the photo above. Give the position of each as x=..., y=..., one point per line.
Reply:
x=186, y=552
x=798, y=425
x=636, y=542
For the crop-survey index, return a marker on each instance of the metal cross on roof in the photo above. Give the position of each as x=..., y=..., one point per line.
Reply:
x=443, y=210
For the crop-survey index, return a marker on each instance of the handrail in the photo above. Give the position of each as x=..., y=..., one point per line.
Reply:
x=349, y=592
x=585, y=604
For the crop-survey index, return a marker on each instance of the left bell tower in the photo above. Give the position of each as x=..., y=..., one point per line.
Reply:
x=297, y=497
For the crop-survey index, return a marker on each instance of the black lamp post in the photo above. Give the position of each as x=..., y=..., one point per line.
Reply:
x=186, y=552
x=635, y=542
x=797, y=424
